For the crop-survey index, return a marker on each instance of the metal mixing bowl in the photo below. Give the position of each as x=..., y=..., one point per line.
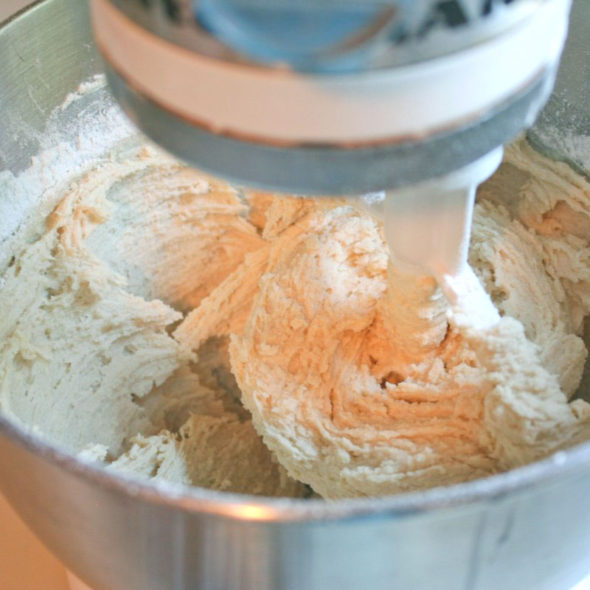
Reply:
x=529, y=528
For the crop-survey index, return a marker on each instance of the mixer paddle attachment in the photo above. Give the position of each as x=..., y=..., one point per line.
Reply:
x=428, y=227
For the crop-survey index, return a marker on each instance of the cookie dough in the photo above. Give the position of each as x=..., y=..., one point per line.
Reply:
x=363, y=381
x=170, y=326
x=91, y=296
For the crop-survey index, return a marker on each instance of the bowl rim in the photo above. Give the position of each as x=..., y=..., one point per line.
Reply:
x=245, y=507
x=259, y=508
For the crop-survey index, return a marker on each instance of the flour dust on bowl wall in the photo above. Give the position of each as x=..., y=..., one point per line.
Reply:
x=203, y=385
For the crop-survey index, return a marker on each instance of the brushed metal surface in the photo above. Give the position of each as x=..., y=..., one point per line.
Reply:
x=115, y=534
x=529, y=528
x=563, y=128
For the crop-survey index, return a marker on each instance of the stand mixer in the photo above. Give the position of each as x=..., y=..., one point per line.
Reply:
x=342, y=98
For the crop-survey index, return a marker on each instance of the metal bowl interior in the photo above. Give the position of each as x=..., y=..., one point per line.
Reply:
x=47, y=53
x=42, y=69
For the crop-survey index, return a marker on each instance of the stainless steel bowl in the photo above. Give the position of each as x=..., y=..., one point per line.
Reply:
x=529, y=528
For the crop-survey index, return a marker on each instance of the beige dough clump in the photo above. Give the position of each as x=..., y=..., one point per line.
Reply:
x=350, y=410
x=172, y=327
x=87, y=360
x=364, y=382
x=205, y=443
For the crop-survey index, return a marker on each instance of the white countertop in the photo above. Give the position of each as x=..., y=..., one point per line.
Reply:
x=25, y=564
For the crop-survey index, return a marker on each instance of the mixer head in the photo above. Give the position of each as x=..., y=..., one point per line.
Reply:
x=331, y=96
